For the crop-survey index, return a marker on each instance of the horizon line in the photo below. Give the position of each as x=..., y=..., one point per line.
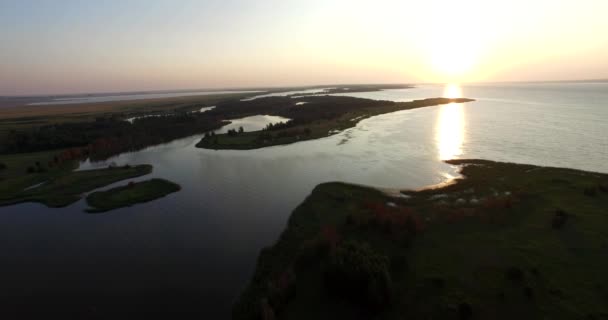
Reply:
x=271, y=87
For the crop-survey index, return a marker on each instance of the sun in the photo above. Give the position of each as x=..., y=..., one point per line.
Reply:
x=453, y=45
x=452, y=61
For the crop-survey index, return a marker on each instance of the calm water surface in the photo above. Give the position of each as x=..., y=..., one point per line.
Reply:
x=203, y=240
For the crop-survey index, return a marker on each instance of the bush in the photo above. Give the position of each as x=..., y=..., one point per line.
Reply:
x=31, y=169
x=2, y=166
x=465, y=311
x=590, y=192
x=282, y=289
x=312, y=252
x=559, y=219
x=359, y=274
x=514, y=274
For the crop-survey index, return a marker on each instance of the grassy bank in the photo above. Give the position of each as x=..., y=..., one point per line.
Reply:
x=42, y=177
x=130, y=194
x=508, y=241
x=316, y=123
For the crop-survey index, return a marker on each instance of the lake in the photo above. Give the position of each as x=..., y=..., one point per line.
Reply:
x=197, y=248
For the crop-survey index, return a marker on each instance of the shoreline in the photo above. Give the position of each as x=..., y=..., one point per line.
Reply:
x=319, y=127
x=494, y=209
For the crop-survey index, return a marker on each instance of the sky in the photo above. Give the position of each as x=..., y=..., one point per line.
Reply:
x=50, y=47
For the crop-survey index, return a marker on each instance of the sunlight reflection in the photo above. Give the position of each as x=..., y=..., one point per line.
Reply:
x=452, y=90
x=450, y=126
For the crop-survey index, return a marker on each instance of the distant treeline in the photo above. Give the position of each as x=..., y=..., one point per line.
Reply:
x=316, y=108
x=108, y=136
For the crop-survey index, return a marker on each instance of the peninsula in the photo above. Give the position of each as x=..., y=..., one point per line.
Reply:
x=506, y=241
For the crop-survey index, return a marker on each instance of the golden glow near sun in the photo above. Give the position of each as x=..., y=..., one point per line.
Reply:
x=452, y=90
x=454, y=44
x=449, y=129
x=452, y=62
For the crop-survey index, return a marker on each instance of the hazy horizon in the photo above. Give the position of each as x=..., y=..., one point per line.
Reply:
x=278, y=87
x=73, y=47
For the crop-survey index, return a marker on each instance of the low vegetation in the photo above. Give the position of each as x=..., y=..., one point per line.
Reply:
x=130, y=194
x=361, y=88
x=109, y=136
x=320, y=117
x=508, y=241
x=102, y=135
x=49, y=178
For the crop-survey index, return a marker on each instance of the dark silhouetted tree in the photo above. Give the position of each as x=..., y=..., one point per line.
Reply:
x=356, y=272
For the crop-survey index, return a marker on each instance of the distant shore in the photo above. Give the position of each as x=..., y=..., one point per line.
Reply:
x=311, y=121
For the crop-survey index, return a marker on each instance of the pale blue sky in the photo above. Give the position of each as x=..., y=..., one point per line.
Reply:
x=87, y=46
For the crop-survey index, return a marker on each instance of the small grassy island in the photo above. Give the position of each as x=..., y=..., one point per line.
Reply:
x=130, y=194
x=508, y=241
x=312, y=117
x=49, y=178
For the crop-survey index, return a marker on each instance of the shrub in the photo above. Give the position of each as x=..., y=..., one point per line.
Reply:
x=359, y=274
x=559, y=219
x=312, y=252
x=31, y=169
x=465, y=311
x=350, y=220
x=399, y=263
x=501, y=296
x=330, y=235
x=514, y=274
x=590, y=192
x=2, y=166
x=438, y=282
x=282, y=289
x=266, y=311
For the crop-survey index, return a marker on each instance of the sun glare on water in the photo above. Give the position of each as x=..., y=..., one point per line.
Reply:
x=449, y=128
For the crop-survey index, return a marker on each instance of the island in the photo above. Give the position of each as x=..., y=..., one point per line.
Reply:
x=130, y=194
x=505, y=241
x=41, y=146
x=311, y=117
x=105, y=129
x=49, y=178
x=358, y=88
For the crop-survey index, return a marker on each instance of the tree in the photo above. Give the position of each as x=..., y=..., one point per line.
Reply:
x=355, y=271
x=241, y=130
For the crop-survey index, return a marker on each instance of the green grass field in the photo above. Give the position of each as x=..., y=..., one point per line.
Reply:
x=130, y=194
x=508, y=241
